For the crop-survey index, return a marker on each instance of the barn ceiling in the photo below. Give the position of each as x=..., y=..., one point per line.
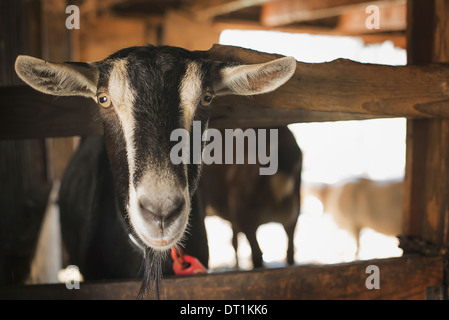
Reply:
x=342, y=15
x=197, y=24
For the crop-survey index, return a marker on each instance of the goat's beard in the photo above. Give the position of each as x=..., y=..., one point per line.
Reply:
x=152, y=272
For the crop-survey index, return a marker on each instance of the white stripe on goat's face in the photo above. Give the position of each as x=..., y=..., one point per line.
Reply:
x=158, y=198
x=145, y=93
x=154, y=200
x=190, y=92
x=123, y=96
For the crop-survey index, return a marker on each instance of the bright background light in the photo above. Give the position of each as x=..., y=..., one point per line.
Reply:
x=333, y=151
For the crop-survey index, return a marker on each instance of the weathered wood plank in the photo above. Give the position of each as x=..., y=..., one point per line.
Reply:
x=344, y=281
x=426, y=206
x=181, y=30
x=393, y=17
x=26, y=113
x=284, y=12
x=398, y=38
x=24, y=185
x=228, y=116
x=400, y=278
x=111, y=34
x=338, y=90
x=207, y=10
x=347, y=86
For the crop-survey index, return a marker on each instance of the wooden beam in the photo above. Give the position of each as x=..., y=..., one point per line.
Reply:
x=111, y=34
x=56, y=46
x=350, y=87
x=400, y=278
x=392, y=18
x=426, y=200
x=181, y=30
x=241, y=116
x=91, y=8
x=398, y=38
x=206, y=10
x=285, y=12
x=24, y=183
x=26, y=113
x=338, y=90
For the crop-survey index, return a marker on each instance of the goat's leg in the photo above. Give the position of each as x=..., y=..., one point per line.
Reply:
x=235, y=244
x=290, y=230
x=255, y=249
x=356, y=234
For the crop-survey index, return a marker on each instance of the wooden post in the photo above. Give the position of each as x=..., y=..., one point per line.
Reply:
x=426, y=213
x=181, y=30
x=401, y=279
x=56, y=47
x=24, y=186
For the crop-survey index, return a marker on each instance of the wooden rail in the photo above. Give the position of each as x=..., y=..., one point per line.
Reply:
x=338, y=90
x=400, y=278
x=26, y=113
x=350, y=87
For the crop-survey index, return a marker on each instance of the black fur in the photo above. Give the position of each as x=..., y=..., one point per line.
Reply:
x=93, y=233
x=94, y=221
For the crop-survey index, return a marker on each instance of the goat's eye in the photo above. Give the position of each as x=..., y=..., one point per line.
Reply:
x=206, y=99
x=104, y=100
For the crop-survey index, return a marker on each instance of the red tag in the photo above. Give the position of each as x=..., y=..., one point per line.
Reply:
x=185, y=264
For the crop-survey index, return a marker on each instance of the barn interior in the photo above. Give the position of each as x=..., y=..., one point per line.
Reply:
x=389, y=131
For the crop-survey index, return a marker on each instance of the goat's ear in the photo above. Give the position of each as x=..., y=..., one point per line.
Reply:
x=61, y=79
x=251, y=79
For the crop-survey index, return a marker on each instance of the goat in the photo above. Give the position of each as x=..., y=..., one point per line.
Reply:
x=237, y=193
x=360, y=203
x=144, y=93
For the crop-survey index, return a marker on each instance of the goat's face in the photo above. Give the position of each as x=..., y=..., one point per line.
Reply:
x=144, y=93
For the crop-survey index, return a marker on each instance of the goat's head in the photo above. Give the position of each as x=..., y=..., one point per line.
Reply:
x=144, y=93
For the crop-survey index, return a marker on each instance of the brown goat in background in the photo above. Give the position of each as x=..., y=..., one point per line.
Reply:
x=240, y=195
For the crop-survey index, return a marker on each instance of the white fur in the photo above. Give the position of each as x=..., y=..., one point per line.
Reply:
x=65, y=79
x=190, y=92
x=256, y=78
x=122, y=97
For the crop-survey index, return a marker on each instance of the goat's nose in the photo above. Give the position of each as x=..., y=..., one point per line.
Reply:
x=162, y=211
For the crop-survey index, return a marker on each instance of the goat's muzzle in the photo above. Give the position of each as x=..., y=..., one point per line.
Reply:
x=159, y=215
